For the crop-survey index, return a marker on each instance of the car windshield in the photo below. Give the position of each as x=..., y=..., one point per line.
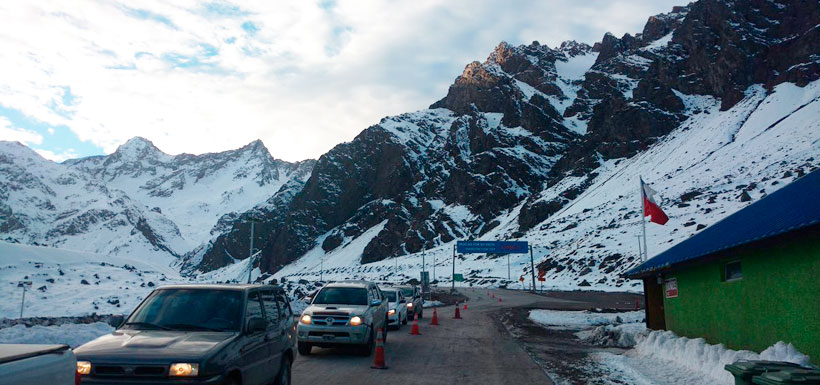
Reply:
x=342, y=296
x=390, y=295
x=189, y=309
x=407, y=291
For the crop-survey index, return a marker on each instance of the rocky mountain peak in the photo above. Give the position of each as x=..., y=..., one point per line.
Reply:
x=572, y=48
x=136, y=148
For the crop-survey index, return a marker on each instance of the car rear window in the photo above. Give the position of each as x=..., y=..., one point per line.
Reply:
x=407, y=292
x=390, y=295
x=342, y=296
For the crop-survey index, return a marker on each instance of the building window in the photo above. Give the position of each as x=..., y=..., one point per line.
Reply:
x=732, y=271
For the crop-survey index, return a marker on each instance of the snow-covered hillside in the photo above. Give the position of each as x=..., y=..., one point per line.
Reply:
x=703, y=171
x=73, y=283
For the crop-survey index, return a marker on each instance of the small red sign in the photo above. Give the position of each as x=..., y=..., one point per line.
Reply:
x=521, y=278
x=671, y=286
x=542, y=279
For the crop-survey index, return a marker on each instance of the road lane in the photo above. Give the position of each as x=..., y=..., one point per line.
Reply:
x=473, y=350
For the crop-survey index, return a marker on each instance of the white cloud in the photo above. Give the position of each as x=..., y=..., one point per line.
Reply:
x=58, y=156
x=14, y=134
x=308, y=78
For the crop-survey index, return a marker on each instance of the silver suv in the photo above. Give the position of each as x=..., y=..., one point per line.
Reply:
x=343, y=314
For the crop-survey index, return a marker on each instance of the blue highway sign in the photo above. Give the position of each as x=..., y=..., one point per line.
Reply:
x=492, y=247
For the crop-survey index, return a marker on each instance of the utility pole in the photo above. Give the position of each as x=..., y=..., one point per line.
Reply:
x=321, y=269
x=250, y=254
x=509, y=277
x=454, y=267
x=23, y=284
x=435, y=260
x=532, y=270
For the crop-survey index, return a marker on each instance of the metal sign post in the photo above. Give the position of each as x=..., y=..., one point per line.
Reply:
x=532, y=268
x=23, y=284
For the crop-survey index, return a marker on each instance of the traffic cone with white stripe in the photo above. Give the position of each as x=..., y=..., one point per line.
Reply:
x=415, y=330
x=458, y=313
x=434, y=321
x=378, y=359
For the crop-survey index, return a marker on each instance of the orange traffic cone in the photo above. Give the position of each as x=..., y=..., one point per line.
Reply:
x=378, y=360
x=499, y=299
x=415, y=330
x=434, y=321
x=465, y=305
x=458, y=313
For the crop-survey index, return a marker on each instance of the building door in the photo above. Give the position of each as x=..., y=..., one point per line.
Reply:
x=653, y=297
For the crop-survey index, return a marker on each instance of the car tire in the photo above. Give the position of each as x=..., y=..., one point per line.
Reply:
x=404, y=322
x=231, y=380
x=283, y=378
x=304, y=348
x=367, y=349
x=421, y=314
x=384, y=336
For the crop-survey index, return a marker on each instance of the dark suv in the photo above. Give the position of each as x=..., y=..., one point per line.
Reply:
x=197, y=334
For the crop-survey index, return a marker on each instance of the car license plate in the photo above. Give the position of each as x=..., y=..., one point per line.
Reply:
x=328, y=336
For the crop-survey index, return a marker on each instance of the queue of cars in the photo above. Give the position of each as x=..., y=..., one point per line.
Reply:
x=349, y=314
x=238, y=334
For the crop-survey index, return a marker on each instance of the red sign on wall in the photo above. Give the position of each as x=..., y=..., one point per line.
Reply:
x=671, y=287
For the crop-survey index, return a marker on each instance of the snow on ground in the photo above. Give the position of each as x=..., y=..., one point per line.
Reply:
x=654, y=357
x=70, y=334
x=570, y=320
x=113, y=285
x=432, y=304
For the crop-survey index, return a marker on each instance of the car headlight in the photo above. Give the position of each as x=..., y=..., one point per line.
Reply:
x=305, y=319
x=409, y=305
x=83, y=367
x=183, y=370
x=356, y=321
x=391, y=312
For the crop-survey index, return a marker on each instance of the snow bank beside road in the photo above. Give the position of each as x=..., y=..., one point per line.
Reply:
x=70, y=334
x=573, y=320
x=698, y=356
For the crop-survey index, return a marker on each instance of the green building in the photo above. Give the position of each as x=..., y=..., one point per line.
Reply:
x=748, y=281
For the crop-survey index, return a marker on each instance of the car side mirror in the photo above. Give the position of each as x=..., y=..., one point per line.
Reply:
x=116, y=320
x=375, y=302
x=256, y=324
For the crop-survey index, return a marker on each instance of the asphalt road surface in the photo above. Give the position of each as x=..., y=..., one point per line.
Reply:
x=473, y=350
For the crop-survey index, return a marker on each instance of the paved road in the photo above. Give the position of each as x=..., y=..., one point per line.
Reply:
x=473, y=350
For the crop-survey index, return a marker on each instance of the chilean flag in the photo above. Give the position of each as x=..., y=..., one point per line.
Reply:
x=650, y=207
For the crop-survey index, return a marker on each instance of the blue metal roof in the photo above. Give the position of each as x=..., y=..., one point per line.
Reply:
x=794, y=206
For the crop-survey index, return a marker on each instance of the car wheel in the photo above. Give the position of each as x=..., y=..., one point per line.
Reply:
x=404, y=322
x=231, y=380
x=366, y=349
x=421, y=314
x=384, y=336
x=283, y=378
x=304, y=348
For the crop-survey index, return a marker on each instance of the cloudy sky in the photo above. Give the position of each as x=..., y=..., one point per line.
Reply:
x=81, y=77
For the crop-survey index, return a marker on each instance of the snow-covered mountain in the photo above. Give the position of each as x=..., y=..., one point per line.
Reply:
x=712, y=103
x=136, y=202
x=715, y=104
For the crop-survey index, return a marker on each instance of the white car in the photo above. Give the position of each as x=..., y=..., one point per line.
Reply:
x=396, y=307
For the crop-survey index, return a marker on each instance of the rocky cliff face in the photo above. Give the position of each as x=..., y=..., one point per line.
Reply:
x=528, y=118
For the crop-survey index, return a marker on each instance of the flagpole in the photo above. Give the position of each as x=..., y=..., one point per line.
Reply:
x=643, y=218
